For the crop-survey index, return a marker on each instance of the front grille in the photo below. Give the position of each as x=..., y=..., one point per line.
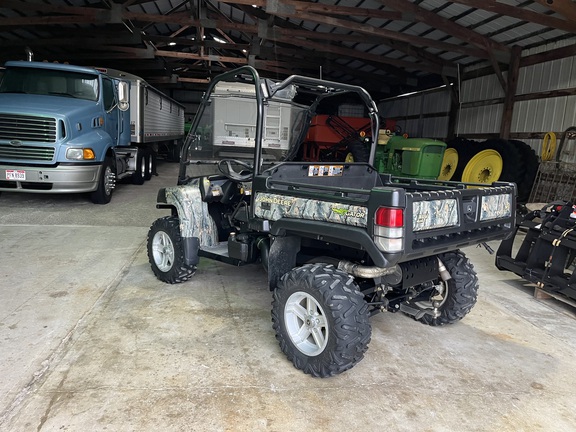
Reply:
x=27, y=128
x=26, y=153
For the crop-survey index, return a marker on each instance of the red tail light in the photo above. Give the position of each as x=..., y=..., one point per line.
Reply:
x=389, y=217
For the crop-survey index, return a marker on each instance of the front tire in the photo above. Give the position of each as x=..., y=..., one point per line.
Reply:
x=455, y=297
x=321, y=320
x=166, y=251
x=106, y=183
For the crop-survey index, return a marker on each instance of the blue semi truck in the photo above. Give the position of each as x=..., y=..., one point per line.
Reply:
x=72, y=129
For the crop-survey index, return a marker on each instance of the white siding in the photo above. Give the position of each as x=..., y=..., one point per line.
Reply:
x=484, y=119
x=421, y=105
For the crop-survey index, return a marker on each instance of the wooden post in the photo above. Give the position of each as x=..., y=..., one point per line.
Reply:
x=506, y=123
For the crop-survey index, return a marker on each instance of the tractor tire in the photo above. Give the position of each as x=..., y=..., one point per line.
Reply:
x=106, y=183
x=455, y=297
x=321, y=320
x=513, y=170
x=531, y=163
x=359, y=151
x=466, y=150
x=166, y=251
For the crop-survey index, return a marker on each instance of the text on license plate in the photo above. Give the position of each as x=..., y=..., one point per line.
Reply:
x=15, y=175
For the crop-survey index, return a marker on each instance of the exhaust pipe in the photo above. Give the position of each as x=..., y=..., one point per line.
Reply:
x=444, y=273
x=366, y=272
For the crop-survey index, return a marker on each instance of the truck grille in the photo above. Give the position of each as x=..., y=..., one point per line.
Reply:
x=27, y=128
x=26, y=152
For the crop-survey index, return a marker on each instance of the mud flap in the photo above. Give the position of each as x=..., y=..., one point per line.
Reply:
x=282, y=258
x=191, y=246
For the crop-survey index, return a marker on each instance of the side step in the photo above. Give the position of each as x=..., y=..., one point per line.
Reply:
x=219, y=252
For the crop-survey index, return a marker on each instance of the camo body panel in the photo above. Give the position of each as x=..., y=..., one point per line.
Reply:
x=434, y=214
x=496, y=206
x=195, y=221
x=273, y=207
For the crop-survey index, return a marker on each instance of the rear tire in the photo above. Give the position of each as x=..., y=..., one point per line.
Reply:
x=457, y=296
x=321, y=319
x=150, y=163
x=139, y=175
x=166, y=251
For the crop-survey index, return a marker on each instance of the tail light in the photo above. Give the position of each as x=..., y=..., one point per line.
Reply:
x=389, y=229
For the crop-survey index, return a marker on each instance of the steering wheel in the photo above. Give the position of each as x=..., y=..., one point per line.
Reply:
x=225, y=167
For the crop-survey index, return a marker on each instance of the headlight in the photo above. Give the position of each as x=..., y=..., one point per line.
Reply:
x=80, y=154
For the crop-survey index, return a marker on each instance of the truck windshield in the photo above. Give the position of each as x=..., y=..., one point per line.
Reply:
x=50, y=82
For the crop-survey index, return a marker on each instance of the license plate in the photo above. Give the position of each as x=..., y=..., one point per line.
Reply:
x=15, y=175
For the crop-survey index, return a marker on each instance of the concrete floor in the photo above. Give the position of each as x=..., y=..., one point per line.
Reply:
x=90, y=340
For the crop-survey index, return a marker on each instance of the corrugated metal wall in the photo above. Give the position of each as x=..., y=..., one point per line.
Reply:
x=420, y=115
x=481, y=104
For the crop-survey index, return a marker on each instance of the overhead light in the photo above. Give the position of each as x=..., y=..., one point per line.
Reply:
x=171, y=43
x=244, y=51
x=219, y=40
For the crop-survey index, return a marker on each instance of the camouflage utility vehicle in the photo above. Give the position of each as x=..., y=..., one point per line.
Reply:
x=340, y=242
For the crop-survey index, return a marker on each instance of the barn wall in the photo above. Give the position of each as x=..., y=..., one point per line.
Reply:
x=425, y=114
x=481, y=104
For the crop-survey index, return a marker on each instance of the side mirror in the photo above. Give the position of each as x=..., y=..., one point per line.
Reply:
x=123, y=96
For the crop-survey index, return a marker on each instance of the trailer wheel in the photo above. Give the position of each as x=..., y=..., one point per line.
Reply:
x=321, y=319
x=106, y=183
x=140, y=170
x=166, y=251
x=453, y=298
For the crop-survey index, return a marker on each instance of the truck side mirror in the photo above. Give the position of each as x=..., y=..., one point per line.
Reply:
x=123, y=96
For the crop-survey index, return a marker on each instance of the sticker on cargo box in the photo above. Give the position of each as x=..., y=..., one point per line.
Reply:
x=325, y=170
x=15, y=175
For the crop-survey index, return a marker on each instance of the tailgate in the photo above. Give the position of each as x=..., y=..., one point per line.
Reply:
x=452, y=219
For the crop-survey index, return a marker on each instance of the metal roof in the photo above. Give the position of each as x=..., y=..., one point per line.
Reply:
x=387, y=46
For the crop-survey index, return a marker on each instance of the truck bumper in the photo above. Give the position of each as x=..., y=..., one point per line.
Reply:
x=59, y=179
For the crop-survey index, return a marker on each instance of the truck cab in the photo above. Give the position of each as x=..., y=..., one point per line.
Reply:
x=66, y=129
x=58, y=123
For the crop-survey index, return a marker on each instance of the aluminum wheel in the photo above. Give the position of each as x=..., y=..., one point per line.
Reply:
x=440, y=294
x=306, y=323
x=109, y=180
x=163, y=251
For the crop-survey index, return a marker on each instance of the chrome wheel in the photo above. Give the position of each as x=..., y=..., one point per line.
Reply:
x=163, y=251
x=109, y=180
x=306, y=323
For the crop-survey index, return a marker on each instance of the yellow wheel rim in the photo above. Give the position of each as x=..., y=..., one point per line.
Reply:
x=349, y=158
x=449, y=164
x=485, y=167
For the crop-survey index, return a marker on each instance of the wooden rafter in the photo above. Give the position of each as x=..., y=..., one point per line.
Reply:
x=566, y=8
x=522, y=14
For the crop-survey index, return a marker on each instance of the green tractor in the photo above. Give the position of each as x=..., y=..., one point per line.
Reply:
x=409, y=157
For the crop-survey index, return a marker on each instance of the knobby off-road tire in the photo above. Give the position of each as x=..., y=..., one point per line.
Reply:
x=460, y=292
x=166, y=252
x=321, y=319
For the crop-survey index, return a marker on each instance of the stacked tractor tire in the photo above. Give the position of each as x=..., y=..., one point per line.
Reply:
x=491, y=160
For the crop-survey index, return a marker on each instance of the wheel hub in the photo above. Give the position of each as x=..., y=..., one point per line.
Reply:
x=306, y=323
